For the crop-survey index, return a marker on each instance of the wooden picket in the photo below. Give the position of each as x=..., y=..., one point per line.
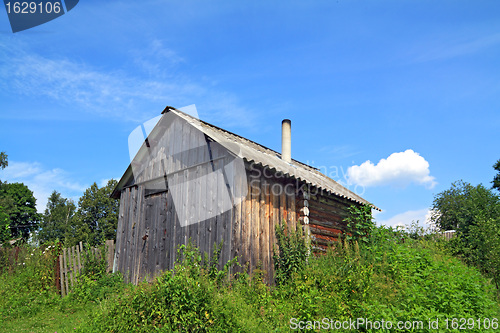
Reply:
x=71, y=264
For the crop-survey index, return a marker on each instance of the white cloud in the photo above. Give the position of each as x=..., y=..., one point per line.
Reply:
x=406, y=218
x=42, y=181
x=398, y=169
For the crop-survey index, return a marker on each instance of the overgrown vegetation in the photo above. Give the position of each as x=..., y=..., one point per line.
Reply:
x=392, y=276
x=290, y=254
x=474, y=212
x=359, y=223
x=373, y=273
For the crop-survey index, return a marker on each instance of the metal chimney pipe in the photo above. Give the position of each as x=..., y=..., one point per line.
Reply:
x=286, y=140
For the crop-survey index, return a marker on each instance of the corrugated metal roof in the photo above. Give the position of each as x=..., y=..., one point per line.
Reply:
x=256, y=153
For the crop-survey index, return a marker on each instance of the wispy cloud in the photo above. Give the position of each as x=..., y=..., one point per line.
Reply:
x=338, y=152
x=448, y=50
x=398, y=169
x=133, y=95
x=42, y=181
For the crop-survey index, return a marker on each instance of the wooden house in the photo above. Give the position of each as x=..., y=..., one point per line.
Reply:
x=193, y=180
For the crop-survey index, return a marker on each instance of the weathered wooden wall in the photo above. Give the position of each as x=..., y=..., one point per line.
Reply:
x=325, y=215
x=269, y=202
x=152, y=222
x=247, y=230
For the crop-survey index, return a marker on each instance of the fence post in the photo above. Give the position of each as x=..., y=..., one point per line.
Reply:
x=61, y=274
x=65, y=264
x=110, y=254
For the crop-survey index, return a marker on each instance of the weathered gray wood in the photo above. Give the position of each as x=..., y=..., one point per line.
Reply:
x=130, y=240
x=266, y=221
x=220, y=214
x=179, y=232
x=171, y=225
x=236, y=219
x=275, y=199
x=192, y=159
x=292, y=210
x=262, y=225
x=211, y=225
x=256, y=258
x=70, y=268
x=140, y=232
x=61, y=275
x=247, y=227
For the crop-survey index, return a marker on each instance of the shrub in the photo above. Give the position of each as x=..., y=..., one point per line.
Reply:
x=291, y=254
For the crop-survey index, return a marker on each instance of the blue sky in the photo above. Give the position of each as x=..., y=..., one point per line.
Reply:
x=398, y=98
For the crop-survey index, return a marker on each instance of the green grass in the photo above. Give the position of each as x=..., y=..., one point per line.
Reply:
x=386, y=279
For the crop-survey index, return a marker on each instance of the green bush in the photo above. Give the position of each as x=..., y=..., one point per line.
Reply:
x=291, y=254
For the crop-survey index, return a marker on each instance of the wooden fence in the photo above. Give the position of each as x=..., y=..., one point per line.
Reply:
x=71, y=263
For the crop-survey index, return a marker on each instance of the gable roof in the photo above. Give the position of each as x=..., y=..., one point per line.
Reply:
x=260, y=155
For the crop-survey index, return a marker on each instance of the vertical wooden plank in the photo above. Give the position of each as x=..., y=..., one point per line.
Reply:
x=145, y=242
x=61, y=275
x=119, y=233
x=140, y=231
x=170, y=236
x=292, y=211
x=127, y=239
x=154, y=239
x=70, y=268
x=177, y=178
x=79, y=261
x=75, y=268
x=204, y=195
x=211, y=225
x=283, y=207
x=265, y=220
x=236, y=218
x=255, y=185
x=192, y=153
x=247, y=227
x=275, y=217
x=219, y=217
x=162, y=231
x=66, y=270
x=122, y=246
x=134, y=224
x=179, y=232
x=109, y=254
x=131, y=244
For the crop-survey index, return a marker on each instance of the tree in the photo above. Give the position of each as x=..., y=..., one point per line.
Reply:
x=19, y=204
x=97, y=216
x=459, y=207
x=496, y=179
x=4, y=225
x=474, y=212
x=57, y=218
x=4, y=161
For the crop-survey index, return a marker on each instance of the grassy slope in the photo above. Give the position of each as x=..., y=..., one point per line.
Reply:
x=414, y=280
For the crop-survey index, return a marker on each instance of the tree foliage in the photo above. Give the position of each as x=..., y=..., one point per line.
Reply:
x=18, y=202
x=474, y=212
x=97, y=216
x=57, y=218
x=4, y=161
x=496, y=179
